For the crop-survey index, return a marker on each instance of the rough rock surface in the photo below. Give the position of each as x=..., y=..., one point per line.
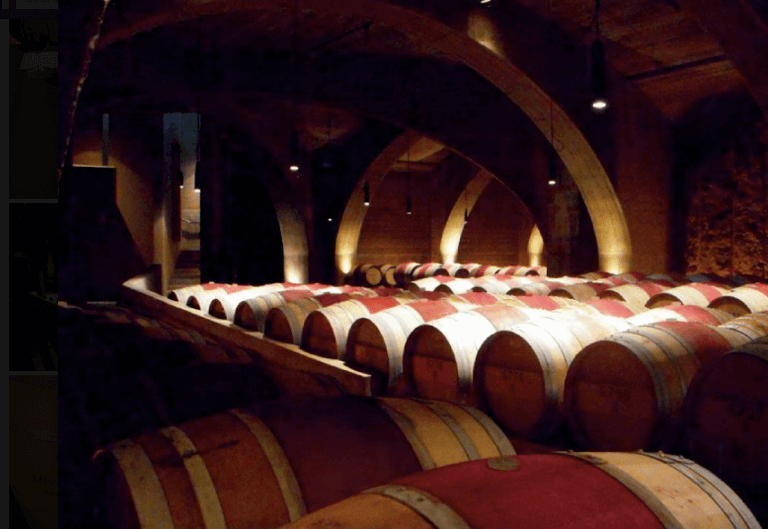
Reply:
x=727, y=224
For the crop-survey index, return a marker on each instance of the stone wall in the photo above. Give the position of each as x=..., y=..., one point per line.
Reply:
x=727, y=222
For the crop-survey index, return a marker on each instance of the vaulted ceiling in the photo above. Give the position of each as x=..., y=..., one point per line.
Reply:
x=292, y=66
x=660, y=46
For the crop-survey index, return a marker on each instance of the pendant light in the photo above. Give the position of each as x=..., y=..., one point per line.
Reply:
x=552, y=165
x=293, y=163
x=293, y=156
x=366, y=194
x=598, y=74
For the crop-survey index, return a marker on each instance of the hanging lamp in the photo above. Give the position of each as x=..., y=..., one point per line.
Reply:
x=552, y=165
x=598, y=73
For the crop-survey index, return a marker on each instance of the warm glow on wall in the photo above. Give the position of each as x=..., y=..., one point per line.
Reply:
x=482, y=30
x=295, y=271
x=345, y=263
x=454, y=226
x=615, y=263
x=535, y=247
x=295, y=250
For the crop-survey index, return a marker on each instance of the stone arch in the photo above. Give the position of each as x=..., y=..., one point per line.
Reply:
x=354, y=213
x=454, y=225
x=475, y=39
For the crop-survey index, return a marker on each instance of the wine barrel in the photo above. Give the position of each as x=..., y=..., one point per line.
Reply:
x=542, y=288
x=672, y=278
x=611, y=307
x=457, y=270
x=547, y=302
x=266, y=466
x=252, y=313
x=577, y=490
x=286, y=322
x=325, y=330
x=743, y=300
x=726, y=424
x=701, y=294
x=202, y=300
x=580, y=291
x=491, y=284
x=387, y=274
x=520, y=372
x=224, y=307
x=428, y=270
x=472, y=268
x=625, y=392
x=680, y=313
x=33, y=447
x=404, y=271
x=624, y=278
x=182, y=294
x=519, y=271
x=751, y=326
x=635, y=294
x=486, y=270
x=439, y=356
x=456, y=286
x=429, y=284
x=377, y=341
x=595, y=276
x=367, y=275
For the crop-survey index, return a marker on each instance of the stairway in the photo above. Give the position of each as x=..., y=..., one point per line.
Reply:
x=187, y=270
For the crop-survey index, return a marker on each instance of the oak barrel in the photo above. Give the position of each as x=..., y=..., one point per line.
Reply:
x=224, y=307
x=743, y=300
x=285, y=323
x=486, y=270
x=612, y=307
x=387, y=274
x=520, y=372
x=377, y=341
x=457, y=270
x=580, y=291
x=701, y=294
x=575, y=490
x=325, y=330
x=726, y=412
x=439, y=356
x=625, y=392
x=635, y=294
x=268, y=465
x=367, y=275
x=428, y=270
x=404, y=271
x=182, y=294
x=681, y=313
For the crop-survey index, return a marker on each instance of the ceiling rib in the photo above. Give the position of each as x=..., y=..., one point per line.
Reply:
x=676, y=68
